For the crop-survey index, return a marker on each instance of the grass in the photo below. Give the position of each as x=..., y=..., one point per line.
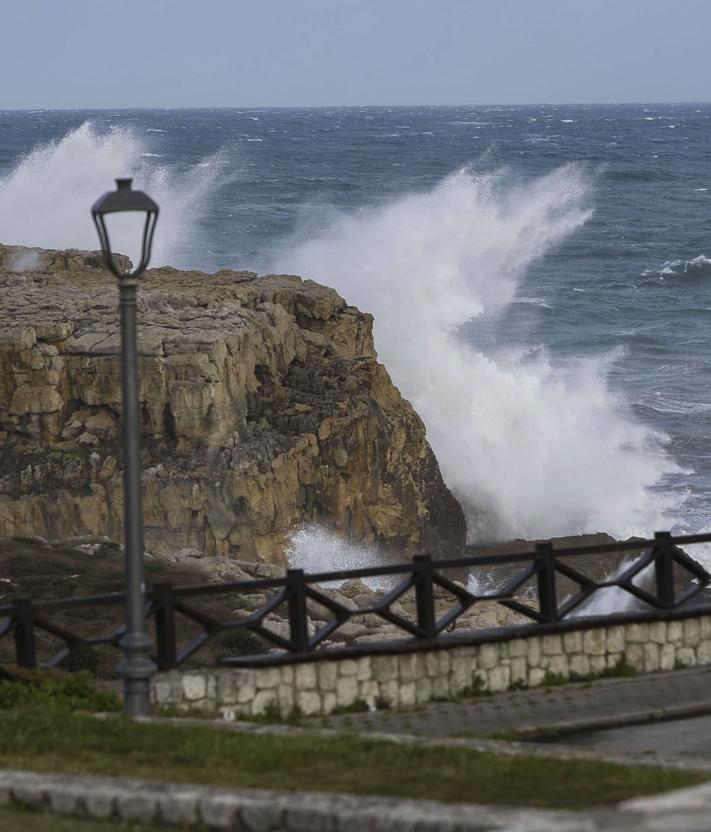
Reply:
x=54, y=739
x=23, y=820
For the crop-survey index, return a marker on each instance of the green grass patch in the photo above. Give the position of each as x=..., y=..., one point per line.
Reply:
x=54, y=739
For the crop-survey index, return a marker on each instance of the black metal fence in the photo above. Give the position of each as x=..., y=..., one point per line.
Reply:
x=653, y=578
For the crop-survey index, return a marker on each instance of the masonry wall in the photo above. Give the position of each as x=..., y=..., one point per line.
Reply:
x=452, y=670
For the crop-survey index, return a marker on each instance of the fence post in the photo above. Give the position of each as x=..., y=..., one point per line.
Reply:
x=424, y=596
x=24, y=631
x=664, y=569
x=164, y=614
x=547, y=593
x=296, y=588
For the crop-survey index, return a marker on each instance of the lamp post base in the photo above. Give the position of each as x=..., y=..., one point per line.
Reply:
x=136, y=670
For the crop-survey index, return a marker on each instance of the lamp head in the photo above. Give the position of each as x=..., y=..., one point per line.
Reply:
x=124, y=198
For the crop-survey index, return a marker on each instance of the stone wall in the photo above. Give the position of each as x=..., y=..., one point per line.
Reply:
x=454, y=669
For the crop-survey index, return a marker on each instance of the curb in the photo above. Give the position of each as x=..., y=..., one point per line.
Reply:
x=254, y=810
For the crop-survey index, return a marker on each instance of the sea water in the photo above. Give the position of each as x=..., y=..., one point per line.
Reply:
x=540, y=276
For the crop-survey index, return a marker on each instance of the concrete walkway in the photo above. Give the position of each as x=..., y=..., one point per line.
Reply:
x=525, y=714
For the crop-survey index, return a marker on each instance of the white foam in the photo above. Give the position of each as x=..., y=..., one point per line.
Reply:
x=543, y=451
x=315, y=549
x=45, y=199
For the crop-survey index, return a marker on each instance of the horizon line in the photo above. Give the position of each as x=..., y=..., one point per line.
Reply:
x=352, y=106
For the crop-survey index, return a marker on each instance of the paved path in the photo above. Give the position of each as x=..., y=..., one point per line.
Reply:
x=584, y=706
x=687, y=740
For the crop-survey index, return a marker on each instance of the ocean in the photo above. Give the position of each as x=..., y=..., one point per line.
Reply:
x=538, y=275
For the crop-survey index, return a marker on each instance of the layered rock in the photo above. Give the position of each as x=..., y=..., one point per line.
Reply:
x=263, y=408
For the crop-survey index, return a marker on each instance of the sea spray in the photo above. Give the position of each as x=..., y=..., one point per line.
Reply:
x=531, y=450
x=46, y=197
x=316, y=549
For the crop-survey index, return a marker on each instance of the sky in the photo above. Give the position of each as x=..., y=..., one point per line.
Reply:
x=239, y=53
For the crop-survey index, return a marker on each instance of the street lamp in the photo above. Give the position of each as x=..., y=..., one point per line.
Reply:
x=136, y=667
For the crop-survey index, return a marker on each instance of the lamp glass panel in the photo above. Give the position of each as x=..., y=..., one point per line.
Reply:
x=125, y=230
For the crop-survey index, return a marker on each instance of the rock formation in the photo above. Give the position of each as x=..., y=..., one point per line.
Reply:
x=263, y=405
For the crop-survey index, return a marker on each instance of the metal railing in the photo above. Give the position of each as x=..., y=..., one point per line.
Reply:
x=424, y=577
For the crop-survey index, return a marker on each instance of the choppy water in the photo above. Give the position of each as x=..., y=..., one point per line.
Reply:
x=540, y=276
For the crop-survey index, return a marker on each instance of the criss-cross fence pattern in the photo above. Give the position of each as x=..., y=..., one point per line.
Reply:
x=651, y=577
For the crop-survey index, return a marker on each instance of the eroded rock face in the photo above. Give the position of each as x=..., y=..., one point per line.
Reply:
x=263, y=407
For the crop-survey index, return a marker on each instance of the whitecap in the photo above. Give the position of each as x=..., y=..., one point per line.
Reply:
x=530, y=449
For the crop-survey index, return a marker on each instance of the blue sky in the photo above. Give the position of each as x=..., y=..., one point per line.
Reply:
x=173, y=53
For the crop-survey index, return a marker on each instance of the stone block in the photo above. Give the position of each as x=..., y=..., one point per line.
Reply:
x=411, y=667
x=488, y=656
x=703, y=652
x=364, y=671
x=551, y=645
x=194, y=686
x=327, y=676
x=256, y=815
x=658, y=632
x=423, y=690
x=162, y=692
x=246, y=685
x=558, y=666
x=534, y=651
x=615, y=639
x=390, y=692
x=634, y=656
x=536, y=675
x=180, y=807
x=579, y=665
x=667, y=657
x=686, y=657
x=572, y=642
x=594, y=642
x=613, y=660
x=384, y=668
x=99, y=802
x=637, y=633
x=287, y=674
x=140, y=806
x=347, y=667
x=705, y=624
x=310, y=817
x=68, y=800
x=440, y=687
x=518, y=647
x=31, y=794
x=220, y=811
x=460, y=675
x=692, y=632
x=675, y=632
x=598, y=665
x=433, y=665
x=263, y=701
x=519, y=671
x=305, y=676
x=408, y=694
x=651, y=657
x=308, y=702
x=267, y=677
x=329, y=703
x=480, y=680
x=499, y=678
x=287, y=699
x=346, y=691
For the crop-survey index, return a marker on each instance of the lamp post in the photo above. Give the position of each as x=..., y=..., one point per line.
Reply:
x=136, y=667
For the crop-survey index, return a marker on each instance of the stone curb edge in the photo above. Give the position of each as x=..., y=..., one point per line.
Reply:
x=253, y=810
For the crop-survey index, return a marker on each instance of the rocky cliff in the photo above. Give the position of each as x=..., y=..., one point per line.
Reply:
x=263, y=405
